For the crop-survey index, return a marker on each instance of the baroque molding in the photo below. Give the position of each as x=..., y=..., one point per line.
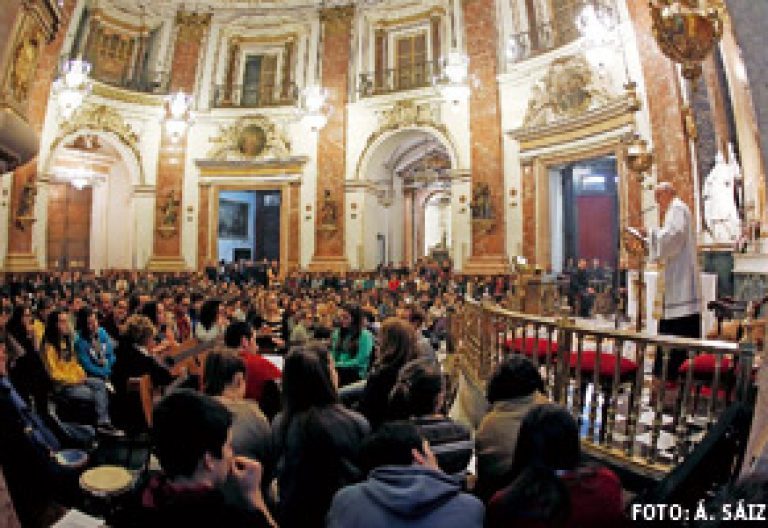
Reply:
x=250, y=138
x=337, y=18
x=192, y=25
x=569, y=88
x=617, y=114
x=126, y=96
x=101, y=118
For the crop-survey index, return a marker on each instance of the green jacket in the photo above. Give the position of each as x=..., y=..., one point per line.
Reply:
x=362, y=360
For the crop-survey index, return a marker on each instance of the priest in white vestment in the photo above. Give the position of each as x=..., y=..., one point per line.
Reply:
x=673, y=248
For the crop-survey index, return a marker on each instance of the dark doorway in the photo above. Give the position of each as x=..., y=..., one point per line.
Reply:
x=590, y=211
x=249, y=225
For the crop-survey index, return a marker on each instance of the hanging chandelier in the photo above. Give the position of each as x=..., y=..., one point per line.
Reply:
x=597, y=21
x=80, y=168
x=313, y=107
x=178, y=115
x=452, y=83
x=687, y=31
x=72, y=86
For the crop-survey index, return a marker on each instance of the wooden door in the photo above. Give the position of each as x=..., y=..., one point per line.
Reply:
x=69, y=227
x=267, y=228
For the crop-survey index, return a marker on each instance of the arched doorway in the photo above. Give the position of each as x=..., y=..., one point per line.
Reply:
x=404, y=172
x=90, y=213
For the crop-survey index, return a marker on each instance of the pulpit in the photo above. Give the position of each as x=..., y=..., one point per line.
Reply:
x=708, y=293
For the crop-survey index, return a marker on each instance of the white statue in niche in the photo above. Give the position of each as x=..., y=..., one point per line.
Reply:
x=721, y=214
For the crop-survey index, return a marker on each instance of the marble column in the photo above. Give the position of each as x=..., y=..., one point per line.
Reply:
x=408, y=227
x=745, y=37
x=190, y=36
x=488, y=254
x=331, y=144
x=665, y=108
x=22, y=256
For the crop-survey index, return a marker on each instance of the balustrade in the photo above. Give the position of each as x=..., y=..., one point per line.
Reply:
x=606, y=378
x=256, y=96
x=390, y=80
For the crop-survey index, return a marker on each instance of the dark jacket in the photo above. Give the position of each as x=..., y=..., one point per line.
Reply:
x=374, y=402
x=164, y=505
x=412, y=496
x=317, y=455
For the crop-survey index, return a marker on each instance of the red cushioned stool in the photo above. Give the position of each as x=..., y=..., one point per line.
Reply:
x=518, y=346
x=703, y=377
x=627, y=372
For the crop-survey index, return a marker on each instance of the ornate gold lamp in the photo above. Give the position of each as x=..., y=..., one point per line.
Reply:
x=687, y=30
x=639, y=158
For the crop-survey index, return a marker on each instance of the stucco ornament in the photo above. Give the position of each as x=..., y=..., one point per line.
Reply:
x=569, y=88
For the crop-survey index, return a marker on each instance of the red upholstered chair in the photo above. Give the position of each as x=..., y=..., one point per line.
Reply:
x=526, y=347
x=627, y=367
x=704, y=375
x=627, y=372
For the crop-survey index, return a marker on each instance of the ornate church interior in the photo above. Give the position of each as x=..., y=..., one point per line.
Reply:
x=261, y=260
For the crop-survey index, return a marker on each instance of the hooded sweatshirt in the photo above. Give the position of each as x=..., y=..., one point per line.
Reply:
x=413, y=496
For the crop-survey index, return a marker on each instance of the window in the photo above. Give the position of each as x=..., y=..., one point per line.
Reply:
x=259, y=76
x=411, y=70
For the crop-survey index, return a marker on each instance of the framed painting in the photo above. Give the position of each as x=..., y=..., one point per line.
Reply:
x=233, y=220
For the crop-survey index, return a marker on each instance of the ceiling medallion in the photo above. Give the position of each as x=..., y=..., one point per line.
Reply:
x=687, y=31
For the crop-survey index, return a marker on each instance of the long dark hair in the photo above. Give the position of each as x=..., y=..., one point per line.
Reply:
x=149, y=310
x=548, y=441
x=81, y=323
x=307, y=383
x=16, y=329
x=417, y=389
x=397, y=344
x=54, y=337
x=208, y=313
x=349, y=337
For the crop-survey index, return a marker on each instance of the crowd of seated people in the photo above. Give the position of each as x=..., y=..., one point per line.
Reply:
x=321, y=400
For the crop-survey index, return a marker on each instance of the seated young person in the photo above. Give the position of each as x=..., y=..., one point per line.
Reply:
x=26, y=448
x=225, y=374
x=133, y=359
x=404, y=487
x=316, y=439
x=515, y=388
x=418, y=396
x=193, y=441
x=93, y=345
x=262, y=377
x=69, y=378
x=548, y=485
x=397, y=346
x=241, y=336
x=351, y=346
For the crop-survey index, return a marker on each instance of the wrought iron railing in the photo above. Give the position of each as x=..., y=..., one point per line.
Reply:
x=390, y=80
x=258, y=96
x=605, y=376
x=547, y=35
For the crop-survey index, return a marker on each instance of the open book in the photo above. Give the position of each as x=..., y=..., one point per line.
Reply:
x=637, y=235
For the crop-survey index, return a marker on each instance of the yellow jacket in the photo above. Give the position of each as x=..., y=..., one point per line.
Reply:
x=61, y=370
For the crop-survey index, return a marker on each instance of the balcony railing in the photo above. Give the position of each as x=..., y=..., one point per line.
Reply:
x=604, y=376
x=239, y=96
x=547, y=35
x=152, y=82
x=398, y=79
